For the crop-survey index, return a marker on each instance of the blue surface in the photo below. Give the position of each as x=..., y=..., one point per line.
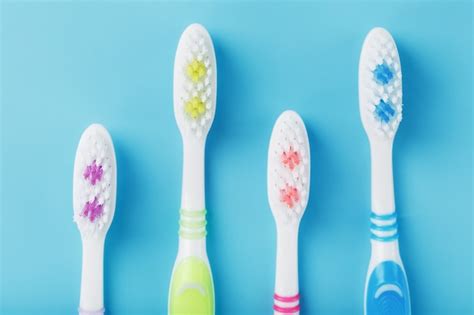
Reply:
x=66, y=65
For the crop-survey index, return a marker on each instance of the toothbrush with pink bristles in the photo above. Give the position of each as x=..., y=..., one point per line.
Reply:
x=288, y=191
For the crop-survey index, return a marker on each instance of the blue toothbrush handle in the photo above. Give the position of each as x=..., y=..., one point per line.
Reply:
x=386, y=290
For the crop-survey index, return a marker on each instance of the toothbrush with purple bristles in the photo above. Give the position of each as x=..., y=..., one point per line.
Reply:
x=94, y=191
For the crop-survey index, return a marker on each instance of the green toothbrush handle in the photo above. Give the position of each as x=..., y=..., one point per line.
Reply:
x=192, y=290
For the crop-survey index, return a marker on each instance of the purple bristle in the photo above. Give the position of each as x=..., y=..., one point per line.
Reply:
x=92, y=210
x=93, y=173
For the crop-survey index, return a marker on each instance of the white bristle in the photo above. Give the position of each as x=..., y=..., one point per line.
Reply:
x=384, y=84
x=94, y=181
x=195, y=65
x=288, y=168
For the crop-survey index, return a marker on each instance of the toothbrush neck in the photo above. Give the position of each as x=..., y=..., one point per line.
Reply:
x=192, y=195
x=383, y=201
x=385, y=250
x=196, y=248
x=286, y=283
x=92, y=296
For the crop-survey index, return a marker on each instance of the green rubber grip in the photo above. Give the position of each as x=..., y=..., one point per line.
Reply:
x=192, y=224
x=192, y=290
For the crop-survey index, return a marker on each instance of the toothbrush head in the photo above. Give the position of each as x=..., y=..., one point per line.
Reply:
x=195, y=82
x=95, y=182
x=380, y=85
x=288, y=173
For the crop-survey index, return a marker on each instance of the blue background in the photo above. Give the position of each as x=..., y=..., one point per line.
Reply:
x=66, y=65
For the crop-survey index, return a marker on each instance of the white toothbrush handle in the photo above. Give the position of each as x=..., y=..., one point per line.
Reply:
x=92, y=296
x=386, y=288
x=193, y=196
x=383, y=201
x=286, y=297
x=191, y=287
x=193, y=187
x=382, y=251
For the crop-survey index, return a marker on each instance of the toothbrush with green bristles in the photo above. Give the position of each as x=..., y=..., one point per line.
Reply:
x=192, y=288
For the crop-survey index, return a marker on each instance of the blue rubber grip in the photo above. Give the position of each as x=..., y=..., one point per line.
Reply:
x=387, y=291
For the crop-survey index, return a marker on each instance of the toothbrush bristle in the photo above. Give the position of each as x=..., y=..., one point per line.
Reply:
x=94, y=181
x=380, y=84
x=195, y=80
x=288, y=167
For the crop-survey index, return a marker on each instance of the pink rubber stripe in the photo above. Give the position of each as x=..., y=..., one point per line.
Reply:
x=286, y=298
x=286, y=310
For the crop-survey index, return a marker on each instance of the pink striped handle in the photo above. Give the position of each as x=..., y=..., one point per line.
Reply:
x=286, y=304
x=293, y=298
x=286, y=310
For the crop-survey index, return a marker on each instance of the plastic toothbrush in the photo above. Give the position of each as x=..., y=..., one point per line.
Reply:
x=191, y=288
x=94, y=191
x=288, y=191
x=380, y=103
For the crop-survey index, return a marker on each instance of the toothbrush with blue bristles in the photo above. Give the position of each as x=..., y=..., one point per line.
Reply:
x=380, y=104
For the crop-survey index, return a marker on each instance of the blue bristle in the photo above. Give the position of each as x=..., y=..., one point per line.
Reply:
x=384, y=111
x=383, y=74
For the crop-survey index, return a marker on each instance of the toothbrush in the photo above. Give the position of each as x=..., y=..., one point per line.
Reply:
x=191, y=287
x=380, y=103
x=94, y=191
x=288, y=191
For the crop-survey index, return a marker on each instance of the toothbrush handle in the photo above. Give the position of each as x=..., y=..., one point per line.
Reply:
x=386, y=286
x=191, y=287
x=99, y=312
x=92, y=296
x=286, y=297
x=383, y=201
x=193, y=185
